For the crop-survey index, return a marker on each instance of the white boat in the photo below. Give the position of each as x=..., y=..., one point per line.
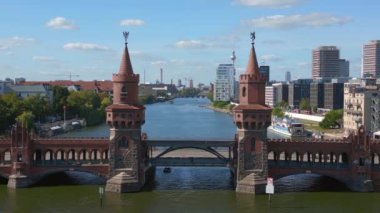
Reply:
x=288, y=127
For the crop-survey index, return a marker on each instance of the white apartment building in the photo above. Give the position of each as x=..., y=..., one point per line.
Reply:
x=361, y=107
x=224, y=89
x=270, y=96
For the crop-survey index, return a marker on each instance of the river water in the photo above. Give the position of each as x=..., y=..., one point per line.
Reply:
x=185, y=189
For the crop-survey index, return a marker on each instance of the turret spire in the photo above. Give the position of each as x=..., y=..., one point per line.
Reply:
x=253, y=65
x=125, y=65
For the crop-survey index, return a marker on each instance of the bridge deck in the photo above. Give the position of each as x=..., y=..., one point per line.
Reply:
x=189, y=143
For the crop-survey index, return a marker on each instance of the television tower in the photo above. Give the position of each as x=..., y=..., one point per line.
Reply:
x=233, y=57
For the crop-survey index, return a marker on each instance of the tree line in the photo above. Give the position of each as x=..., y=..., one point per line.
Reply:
x=36, y=108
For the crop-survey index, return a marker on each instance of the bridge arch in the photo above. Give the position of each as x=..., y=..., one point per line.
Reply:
x=208, y=149
x=307, y=177
x=51, y=171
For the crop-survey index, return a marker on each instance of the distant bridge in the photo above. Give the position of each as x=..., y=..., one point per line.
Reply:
x=214, y=147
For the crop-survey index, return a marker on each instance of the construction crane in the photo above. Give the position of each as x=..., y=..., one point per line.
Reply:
x=71, y=75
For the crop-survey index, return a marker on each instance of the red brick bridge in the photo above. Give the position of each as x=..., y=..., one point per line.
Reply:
x=22, y=154
x=353, y=160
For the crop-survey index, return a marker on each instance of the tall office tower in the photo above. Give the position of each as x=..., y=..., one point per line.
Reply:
x=371, y=59
x=191, y=84
x=265, y=71
x=179, y=83
x=325, y=62
x=288, y=77
x=225, y=82
x=344, y=68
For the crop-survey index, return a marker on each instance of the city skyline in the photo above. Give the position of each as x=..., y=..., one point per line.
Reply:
x=47, y=41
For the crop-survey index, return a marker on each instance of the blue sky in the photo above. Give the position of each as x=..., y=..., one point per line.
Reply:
x=47, y=40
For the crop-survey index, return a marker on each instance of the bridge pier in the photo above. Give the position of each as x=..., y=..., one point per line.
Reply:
x=19, y=181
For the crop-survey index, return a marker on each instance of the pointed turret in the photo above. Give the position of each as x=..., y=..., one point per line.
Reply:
x=125, y=64
x=253, y=66
x=125, y=82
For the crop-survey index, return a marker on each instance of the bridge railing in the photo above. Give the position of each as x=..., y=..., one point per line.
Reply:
x=314, y=165
x=68, y=162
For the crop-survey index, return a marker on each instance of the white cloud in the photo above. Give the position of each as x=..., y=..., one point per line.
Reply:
x=132, y=22
x=43, y=58
x=60, y=23
x=18, y=41
x=84, y=46
x=297, y=21
x=190, y=44
x=159, y=62
x=268, y=3
x=270, y=58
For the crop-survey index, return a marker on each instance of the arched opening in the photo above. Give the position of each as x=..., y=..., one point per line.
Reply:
x=49, y=156
x=7, y=157
x=282, y=156
x=307, y=157
x=70, y=178
x=294, y=157
x=37, y=155
x=375, y=159
x=82, y=155
x=271, y=155
x=60, y=155
x=343, y=158
x=309, y=182
x=244, y=92
x=105, y=155
x=124, y=143
x=71, y=155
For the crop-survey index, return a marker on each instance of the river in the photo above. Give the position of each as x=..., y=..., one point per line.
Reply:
x=185, y=189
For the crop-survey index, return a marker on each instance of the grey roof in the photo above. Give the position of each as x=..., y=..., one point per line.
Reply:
x=28, y=88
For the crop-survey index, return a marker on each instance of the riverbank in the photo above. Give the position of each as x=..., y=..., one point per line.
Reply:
x=217, y=109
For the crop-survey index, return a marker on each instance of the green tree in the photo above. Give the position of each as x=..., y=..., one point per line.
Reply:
x=305, y=104
x=26, y=119
x=277, y=111
x=60, y=95
x=332, y=119
x=86, y=104
x=38, y=105
x=10, y=107
x=106, y=101
x=283, y=105
x=146, y=99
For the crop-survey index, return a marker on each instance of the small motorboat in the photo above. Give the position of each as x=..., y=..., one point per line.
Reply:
x=167, y=170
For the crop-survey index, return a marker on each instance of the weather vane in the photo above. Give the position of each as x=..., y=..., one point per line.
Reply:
x=126, y=34
x=253, y=37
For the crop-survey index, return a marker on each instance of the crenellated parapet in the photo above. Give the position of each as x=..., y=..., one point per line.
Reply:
x=130, y=78
x=254, y=78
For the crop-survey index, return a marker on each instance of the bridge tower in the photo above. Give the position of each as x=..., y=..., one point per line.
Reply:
x=252, y=117
x=360, y=162
x=127, y=153
x=21, y=156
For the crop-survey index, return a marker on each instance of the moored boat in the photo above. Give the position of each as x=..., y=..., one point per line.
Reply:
x=287, y=127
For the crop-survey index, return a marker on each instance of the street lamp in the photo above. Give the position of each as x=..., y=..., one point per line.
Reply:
x=101, y=193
